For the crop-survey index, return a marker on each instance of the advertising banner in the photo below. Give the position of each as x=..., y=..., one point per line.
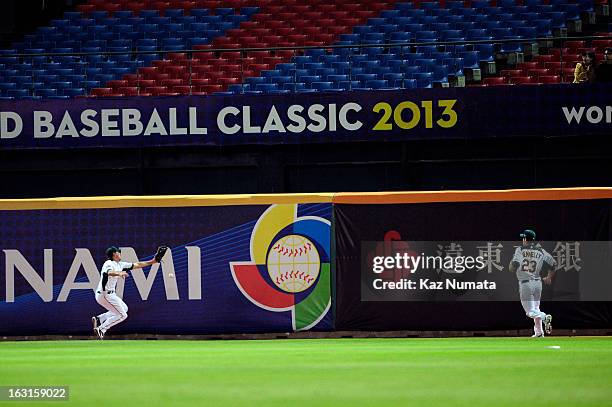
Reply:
x=308, y=118
x=446, y=265
x=230, y=268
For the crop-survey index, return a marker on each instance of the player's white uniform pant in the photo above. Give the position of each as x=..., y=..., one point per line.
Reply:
x=117, y=310
x=531, y=292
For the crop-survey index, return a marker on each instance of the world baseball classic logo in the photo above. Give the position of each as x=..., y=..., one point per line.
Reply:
x=290, y=265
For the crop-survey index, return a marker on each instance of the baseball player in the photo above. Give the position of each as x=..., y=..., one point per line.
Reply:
x=527, y=263
x=112, y=270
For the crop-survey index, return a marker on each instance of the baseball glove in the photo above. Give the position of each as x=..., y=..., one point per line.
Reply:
x=161, y=250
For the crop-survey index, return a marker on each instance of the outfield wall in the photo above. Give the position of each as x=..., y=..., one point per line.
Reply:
x=566, y=220
x=275, y=263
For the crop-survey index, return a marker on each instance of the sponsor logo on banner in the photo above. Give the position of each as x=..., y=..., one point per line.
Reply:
x=289, y=266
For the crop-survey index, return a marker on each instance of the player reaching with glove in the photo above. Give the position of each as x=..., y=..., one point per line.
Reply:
x=112, y=270
x=527, y=263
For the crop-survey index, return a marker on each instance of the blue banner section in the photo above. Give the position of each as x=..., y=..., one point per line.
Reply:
x=246, y=268
x=551, y=110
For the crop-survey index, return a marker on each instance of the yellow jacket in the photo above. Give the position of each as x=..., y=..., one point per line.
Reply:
x=583, y=74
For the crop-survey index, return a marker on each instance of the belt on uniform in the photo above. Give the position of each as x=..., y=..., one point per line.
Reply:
x=105, y=292
x=526, y=281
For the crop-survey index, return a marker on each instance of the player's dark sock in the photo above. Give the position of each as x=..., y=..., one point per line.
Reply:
x=98, y=321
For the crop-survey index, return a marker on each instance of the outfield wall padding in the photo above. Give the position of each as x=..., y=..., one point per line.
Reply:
x=231, y=259
x=215, y=278
x=556, y=214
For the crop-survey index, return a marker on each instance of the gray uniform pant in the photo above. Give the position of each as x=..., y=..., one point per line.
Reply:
x=531, y=292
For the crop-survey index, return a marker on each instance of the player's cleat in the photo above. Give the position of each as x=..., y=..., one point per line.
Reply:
x=548, y=324
x=99, y=332
x=537, y=336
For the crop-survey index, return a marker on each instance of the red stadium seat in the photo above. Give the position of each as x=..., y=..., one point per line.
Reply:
x=537, y=72
x=522, y=80
x=554, y=67
x=128, y=90
x=284, y=31
x=218, y=62
x=228, y=80
x=545, y=58
x=176, y=56
x=274, y=24
x=338, y=29
x=259, y=55
x=512, y=73
x=101, y=91
x=529, y=65
x=212, y=88
x=156, y=90
x=117, y=83
x=214, y=75
x=143, y=83
x=259, y=67
x=231, y=55
x=231, y=68
x=86, y=8
x=200, y=82
x=250, y=24
x=547, y=79
x=176, y=71
x=172, y=82
x=183, y=90
x=494, y=81
x=161, y=63
x=285, y=54
x=601, y=44
x=574, y=44
x=272, y=61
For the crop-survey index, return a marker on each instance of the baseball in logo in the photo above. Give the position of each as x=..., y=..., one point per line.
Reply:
x=289, y=269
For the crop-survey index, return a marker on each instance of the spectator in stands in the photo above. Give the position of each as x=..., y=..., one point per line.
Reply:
x=585, y=70
x=603, y=72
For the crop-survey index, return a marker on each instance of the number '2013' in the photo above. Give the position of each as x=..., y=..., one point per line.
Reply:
x=447, y=119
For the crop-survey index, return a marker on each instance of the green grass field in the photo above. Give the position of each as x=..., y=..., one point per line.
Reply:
x=332, y=372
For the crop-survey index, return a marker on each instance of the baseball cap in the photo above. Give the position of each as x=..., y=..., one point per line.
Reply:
x=528, y=234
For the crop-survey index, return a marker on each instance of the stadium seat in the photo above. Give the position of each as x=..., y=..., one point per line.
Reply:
x=120, y=26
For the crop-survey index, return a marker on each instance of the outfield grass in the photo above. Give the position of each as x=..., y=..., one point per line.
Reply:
x=333, y=372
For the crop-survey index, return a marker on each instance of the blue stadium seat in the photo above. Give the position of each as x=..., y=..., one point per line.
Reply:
x=238, y=88
x=294, y=87
x=321, y=86
x=18, y=93
x=423, y=79
x=364, y=77
x=308, y=79
x=377, y=84
x=337, y=78
x=199, y=12
x=347, y=85
x=255, y=80
x=282, y=79
x=440, y=73
x=470, y=59
x=486, y=52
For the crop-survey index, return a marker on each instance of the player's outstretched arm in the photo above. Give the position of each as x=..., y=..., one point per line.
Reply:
x=142, y=264
x=159, y=254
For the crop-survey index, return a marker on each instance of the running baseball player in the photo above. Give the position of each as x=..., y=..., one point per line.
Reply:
x=112, y=270
x=527, y=263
